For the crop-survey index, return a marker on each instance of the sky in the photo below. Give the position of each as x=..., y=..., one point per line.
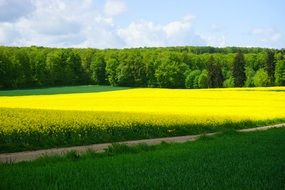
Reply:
x=142, y=23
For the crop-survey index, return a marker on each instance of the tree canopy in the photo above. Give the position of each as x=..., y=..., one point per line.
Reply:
x=170, y=67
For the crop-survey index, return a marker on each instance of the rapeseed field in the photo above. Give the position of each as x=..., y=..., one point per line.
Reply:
x=42, y=121
x=234, y=104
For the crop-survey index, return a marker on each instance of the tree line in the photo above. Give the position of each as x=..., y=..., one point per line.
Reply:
x=169, y=67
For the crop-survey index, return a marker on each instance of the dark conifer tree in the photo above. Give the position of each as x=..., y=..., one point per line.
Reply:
x=239, y=70
x=211, y=72
x=219, y=76
x=270, y=66
x=215, y=76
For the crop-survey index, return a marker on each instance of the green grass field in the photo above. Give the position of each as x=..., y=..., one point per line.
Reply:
x=252, y=160
x=61, y=90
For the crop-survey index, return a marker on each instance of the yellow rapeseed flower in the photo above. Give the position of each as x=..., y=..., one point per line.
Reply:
x=201, y=105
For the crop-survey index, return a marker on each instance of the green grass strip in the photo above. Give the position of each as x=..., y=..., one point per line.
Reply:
x=252, y=160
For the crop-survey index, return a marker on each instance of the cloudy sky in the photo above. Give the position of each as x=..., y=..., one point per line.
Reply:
x=139, y=23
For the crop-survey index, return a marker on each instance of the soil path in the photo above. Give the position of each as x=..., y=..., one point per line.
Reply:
x=31, y=155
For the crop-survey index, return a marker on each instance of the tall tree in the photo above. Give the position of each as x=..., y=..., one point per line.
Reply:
x=203, y=79
x=23, y=68
x=112, y=64
x=171, y=74
x=280, y=73
x=270, y=66
x=153, y=67
x=131, y=71
x=239, y=70
x=73, y=69
x=6, y=71
x=98, y=68
x=261, y=78
x=192, y=79
x=56, y=66
x=215, y=76
x=39, y=68
x=211, y=72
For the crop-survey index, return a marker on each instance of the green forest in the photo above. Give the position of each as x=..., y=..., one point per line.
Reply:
x=167, y=67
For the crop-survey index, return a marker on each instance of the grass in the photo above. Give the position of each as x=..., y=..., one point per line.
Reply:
x=252, y=160
x=60, y=90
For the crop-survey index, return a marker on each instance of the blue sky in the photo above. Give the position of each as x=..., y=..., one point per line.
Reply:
x=139, y=23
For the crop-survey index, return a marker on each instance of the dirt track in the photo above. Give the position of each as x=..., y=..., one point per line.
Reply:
x=31, y=155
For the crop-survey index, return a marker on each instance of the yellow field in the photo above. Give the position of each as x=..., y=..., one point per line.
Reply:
x=139, y=113
x=229, y=104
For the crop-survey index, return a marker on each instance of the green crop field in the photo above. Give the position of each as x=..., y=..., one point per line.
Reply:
x=60, y=90
x=252, y=160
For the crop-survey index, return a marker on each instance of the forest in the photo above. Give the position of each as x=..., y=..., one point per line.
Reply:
x=167, y=67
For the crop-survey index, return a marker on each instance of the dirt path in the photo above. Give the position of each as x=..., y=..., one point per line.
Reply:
x=31, y=155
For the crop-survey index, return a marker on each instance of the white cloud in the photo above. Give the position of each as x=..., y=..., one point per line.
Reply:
x=11, y=10
x=266, y=34
x=114, y=7
x=61, y=23
x=83, y=23
x=146, y=33
x=101, y=33
x=215, y=40
x=142, y=33
x=216, y=36
x=50, y=24
x=65, y=23
x=175, y=27
x=7, y=33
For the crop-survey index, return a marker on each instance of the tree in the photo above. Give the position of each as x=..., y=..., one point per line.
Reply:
x=98, y=70
x=270, y=66
x=153, y=67
x=215, y=76
x=203, y=79
x=6, y=71
x=111, y=69
x=151, y=63
x=73, y=69
x=229, y=83
x=55, y=65
x=39, y=68
x=192, y=79
x=239, y=70
x=280, y=73
x=249, y=77
x=261, y=78
x=211, y=72
x=64, y=67
x=24, y=72
x=171, y=74
x=87, y=56
x=131, y=70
